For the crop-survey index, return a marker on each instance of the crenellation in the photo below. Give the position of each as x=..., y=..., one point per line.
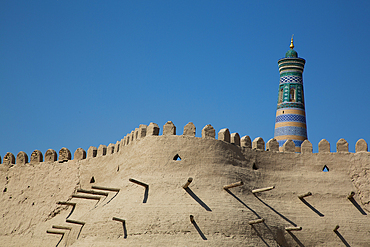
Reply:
x=142, y=131
x=79, y=154
x=132, y=136
x=324, y=146
x=128, y=139
x=224, y=135
x=64, y=154
x=117, y=146
x=136, y=134
x=22, y=158
x=110, y=148
x=272, y=145
x=208, y=132
x=169, y=129
x=342, y=146
x=235, y=139
x=246, y=142
x=50, y=155
x=258, y=144
x=152, y=130
x=36, y=157
x=306, y=147
x=92, y=152
x=361, y=146
x=189, y=129
x=289, y=146
x=122, y=143
x=102, y=150
x=9, y=159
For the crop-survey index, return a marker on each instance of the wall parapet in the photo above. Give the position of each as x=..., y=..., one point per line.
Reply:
x=169, y=129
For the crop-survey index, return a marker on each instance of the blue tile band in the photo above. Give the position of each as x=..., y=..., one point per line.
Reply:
x=291, y=79
x=290, y=130
x=290, y=118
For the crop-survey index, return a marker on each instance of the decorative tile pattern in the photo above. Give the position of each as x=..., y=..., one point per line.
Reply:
x=290, y=118
x=290, y=105
x=291, y=97
x=291, y=73
x=291, y=79
x=290, y=130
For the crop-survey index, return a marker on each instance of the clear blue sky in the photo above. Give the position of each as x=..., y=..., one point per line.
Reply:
x=84, y=73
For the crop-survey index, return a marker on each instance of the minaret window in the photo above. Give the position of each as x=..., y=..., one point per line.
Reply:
x=281, y=93
x=292, y=95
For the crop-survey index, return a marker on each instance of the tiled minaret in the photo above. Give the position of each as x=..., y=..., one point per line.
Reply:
x=290, y=120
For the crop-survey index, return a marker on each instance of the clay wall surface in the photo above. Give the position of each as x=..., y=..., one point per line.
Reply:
x=157, y=211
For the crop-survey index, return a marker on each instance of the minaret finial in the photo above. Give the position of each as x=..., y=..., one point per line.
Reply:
x=291, y=43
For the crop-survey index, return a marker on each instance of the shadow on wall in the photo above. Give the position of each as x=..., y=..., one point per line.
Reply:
x=357, y=206
x=198, y=229
x=282, y=216
x=300, y=244
x=311, y=207
x=342, y=239
x=197, y=199
x=260, y=236
x=245, y=205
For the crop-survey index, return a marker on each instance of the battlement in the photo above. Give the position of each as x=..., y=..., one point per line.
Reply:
x=166, y=189
x=169, y=128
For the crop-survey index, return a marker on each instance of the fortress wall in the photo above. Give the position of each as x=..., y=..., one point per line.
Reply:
x=221, y=216
x=146, y=162
x=296, y=174
x=28, y=198
x=160, y=215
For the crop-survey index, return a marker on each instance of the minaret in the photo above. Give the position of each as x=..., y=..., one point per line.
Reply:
x=290, y=120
